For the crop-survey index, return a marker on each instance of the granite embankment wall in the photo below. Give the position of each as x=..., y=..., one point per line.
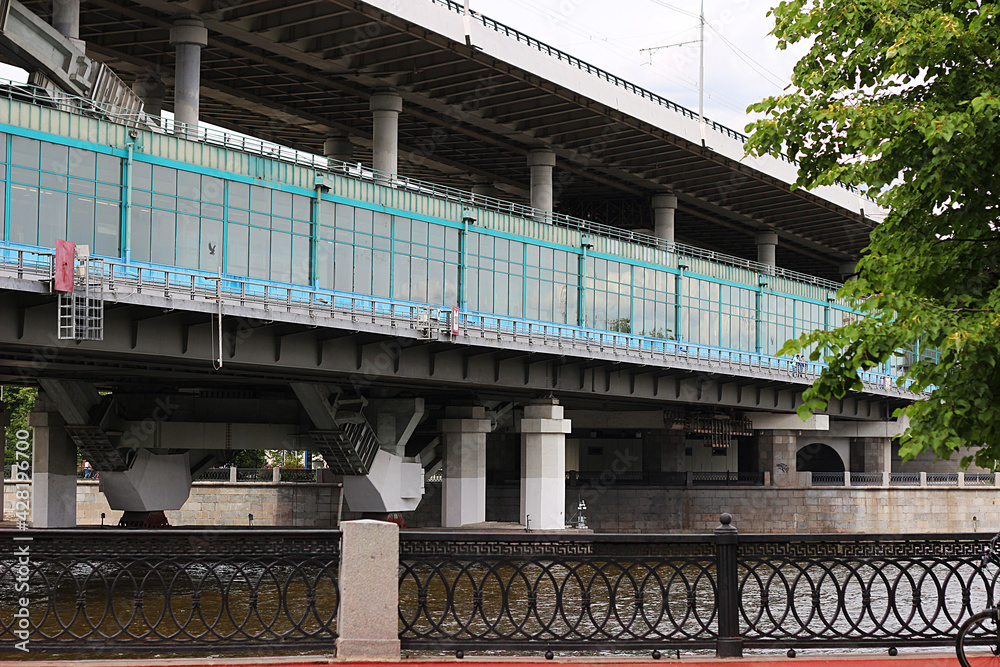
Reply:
x=609, y=509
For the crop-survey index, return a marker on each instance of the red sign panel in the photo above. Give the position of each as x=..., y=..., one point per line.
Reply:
x=65, y=255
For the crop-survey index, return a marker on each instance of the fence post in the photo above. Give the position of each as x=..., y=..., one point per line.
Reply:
x=729, y=644
x=276, y=474
x=368, y=618
x=232, y=474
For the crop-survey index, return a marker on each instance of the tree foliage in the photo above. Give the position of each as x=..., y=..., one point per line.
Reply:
x=17, y=402
x=903, y=97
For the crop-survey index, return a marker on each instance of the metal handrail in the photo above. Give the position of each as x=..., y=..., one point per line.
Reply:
x=243, y=143
x=428, y=320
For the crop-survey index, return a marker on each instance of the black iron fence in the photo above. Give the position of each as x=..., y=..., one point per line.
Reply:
x=724, y=591
x=118, y=590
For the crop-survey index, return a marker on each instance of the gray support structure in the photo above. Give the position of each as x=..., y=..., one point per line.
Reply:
x=368, y=616
x=151, y=90
x=189, y=36
x=463, y=489
x=541, y=161
x=53, y=469
x=848, y=271
x=66, y=19
x=664, y=206
x=338, y=148
x=767, y=242
x=778, y=450
x=543, y=465
x=385, y=108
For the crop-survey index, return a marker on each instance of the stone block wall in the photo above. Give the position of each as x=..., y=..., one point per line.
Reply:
x=609, y=509
x=220, y=504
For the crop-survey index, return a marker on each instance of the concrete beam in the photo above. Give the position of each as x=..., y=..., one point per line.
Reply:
x=871, y=429
x=765, y=421
x=72, y=398
x=637, y=419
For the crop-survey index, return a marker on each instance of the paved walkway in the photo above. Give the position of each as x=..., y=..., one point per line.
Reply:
x=937, y=659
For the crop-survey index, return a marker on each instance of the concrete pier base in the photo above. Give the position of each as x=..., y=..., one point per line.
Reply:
x=368, y=619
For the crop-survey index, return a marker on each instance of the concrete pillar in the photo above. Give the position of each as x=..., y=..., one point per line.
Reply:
x=189, y=36
x=766, y=244
x=368, y=617
x=151, y=90
x=664, y=205
x=870, y=454
x=778, y=450
x=463, y=489
x=53, y=469
x=543, y=465
x=541, y=161
x=848, y=271
x=66, y=20
x=338, y=148
x=385, y=108
x=486, y=189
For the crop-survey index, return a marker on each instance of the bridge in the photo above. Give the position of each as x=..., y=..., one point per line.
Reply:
x=413, y=240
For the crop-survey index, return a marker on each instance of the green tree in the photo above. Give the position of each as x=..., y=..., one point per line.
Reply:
x=902, y=97
x=17, y=402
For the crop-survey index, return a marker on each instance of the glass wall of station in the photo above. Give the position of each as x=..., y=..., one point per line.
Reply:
x=207, y=222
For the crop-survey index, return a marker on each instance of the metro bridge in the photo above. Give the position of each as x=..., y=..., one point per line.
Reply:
x=237, y=293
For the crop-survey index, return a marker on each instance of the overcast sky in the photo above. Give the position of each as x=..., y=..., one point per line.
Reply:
x=742, y=64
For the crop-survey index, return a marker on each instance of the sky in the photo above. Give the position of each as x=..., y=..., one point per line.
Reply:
x=742, y=62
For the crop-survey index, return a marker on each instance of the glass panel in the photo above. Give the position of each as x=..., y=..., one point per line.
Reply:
x=260, y=255
x=213, y=190
x=260, y=199
x=401, y=278
x=52, y=225
x=380, y=273
x=343, y=273
x=300, y=260
x=109, y=169
x=187, y=240
x=281, y=257
x=24, y=214
x=363, y=221
x=281, y=203
x=237, y=250
x=142, y=176
x=82, y=163
x=26, y=176
x=54, y=158
x=161, y=242
x=188, y=185
x=324, y=264
x=80, y=227
x=363, y=270
x=140, y=234
x=164, y=180
x=345, y=217
x=109, y=221
x=24, y=152
x=56, y=181
x=81, y=186
x=211, y=245
x=239, y=195
x=302, y=208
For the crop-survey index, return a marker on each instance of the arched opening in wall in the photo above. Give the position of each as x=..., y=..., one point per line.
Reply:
x=818, y=457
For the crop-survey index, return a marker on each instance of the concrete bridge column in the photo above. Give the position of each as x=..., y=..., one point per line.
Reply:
x=542, y=161
x=151, y=90
x=463, y=489
x=385, y=107
x=338, y=148
x=848, y=271
x=66, y=20
x=189, y=35
x=870, y=454
x=53, y=469
x=767, y=242
x=778, y=450
x=543, y=465
x=664, y=206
